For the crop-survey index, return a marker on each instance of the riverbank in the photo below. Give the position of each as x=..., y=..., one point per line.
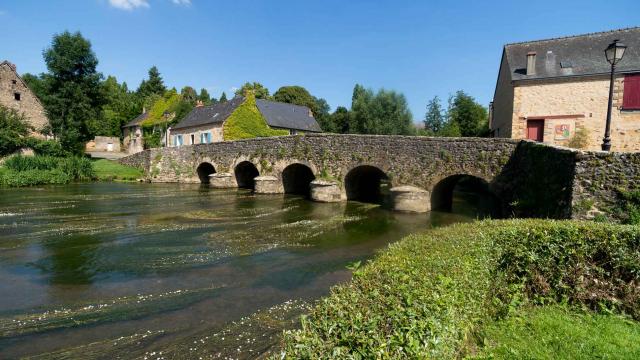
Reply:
x=21, y=171
x=438, y=294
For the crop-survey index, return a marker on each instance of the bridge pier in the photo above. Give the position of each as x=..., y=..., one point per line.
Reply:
x=268, y=185
x=410, y=199
x=222, y=181
x=326, y=191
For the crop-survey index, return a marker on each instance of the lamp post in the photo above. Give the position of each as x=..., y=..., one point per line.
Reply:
x=614, y=53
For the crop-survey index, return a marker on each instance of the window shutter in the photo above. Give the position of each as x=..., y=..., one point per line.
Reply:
x=631, y=97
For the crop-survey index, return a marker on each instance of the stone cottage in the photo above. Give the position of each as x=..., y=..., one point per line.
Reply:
x=205, y=124
x=556, y=91
x=132, y=134
x=15, y=94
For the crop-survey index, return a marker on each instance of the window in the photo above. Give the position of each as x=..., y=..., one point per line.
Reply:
x=14, y=82
x=205, y=138
x=178, y=140
x=193, y=139
x=631, y=95
x=16, y=96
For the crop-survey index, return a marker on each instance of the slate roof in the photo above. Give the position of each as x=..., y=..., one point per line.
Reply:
x=288, y=116
x=277, y=115
x=136, y=122
x=580, y=55
x=212, y=114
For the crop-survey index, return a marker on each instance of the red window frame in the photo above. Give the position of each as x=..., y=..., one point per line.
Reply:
x=631, y=95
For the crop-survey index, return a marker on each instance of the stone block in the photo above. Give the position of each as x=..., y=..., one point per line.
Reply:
x=268, y=185
x=222, y=181
x=410, y=199
x=326, y=191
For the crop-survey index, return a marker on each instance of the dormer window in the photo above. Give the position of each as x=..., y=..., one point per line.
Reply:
x=16, y=96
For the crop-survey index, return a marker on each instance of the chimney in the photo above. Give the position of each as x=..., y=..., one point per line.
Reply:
x=531, y=63
x=199, y=103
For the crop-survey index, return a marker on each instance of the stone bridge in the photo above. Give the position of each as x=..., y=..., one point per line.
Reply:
x=408, y=173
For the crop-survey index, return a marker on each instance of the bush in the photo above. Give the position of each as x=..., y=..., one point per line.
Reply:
x=425, y=296
x=37, y=170
x=247, y=122
x=13, y=131
x=580, y=140
x=47, y=147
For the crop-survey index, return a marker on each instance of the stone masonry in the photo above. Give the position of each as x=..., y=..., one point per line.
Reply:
x=529, y=179
x=15, y=94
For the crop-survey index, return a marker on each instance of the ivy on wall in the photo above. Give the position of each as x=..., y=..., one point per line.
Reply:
x=247, y=122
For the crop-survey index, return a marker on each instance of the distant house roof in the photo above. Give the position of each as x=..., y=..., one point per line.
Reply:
x=138, y=120
x=277, y=115
x=580, y=55
x=288, y=116
x=212, y=114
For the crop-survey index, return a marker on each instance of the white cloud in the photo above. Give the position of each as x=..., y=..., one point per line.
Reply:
x=182, y=2
x=129, y=4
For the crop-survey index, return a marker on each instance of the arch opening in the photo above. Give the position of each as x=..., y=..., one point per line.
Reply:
x=296, y=179
x=466, y=195
x=245, y=173
x=367, y=184
x=204, y=170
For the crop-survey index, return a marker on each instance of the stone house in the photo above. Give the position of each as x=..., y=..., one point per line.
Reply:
x=557, y=90
x=132, y=134
x=15, y=94
x=205, y=124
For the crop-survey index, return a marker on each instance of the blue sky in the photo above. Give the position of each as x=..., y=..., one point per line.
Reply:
x=420, y=48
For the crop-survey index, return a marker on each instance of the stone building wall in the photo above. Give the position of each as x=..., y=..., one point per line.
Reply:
x=580, y=103
x=214, y=129
x=29, y=105
x=502, y=111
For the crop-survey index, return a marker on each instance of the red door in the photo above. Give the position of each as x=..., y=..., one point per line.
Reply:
x=535, y=130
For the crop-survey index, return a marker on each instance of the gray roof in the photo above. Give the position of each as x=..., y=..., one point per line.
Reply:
x=212, y=114
x=580, y=55
x=136, y=122
x=277, y=115
x=288, y=116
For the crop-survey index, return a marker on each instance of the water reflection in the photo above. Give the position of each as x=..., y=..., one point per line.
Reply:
x=153, y=267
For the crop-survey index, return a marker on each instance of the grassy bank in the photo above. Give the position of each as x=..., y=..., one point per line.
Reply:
x=431, y=295
x=20, y=171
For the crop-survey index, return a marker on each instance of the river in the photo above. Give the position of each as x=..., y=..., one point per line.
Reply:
x=109, y=270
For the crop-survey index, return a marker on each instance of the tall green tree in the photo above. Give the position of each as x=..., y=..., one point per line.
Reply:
x=154, y=85
x=298, y=95
x=340, y=120
x=258, y=89
x=434, y=119
x=75, y=95
x=384, y=112
x=121, y=106
x=223, y=97
x=189, y=94
x=205, y=97
x=470, y=116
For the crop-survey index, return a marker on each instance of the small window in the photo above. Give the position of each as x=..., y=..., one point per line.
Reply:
x=16, y=96
x=14, y=82
x=631, y=95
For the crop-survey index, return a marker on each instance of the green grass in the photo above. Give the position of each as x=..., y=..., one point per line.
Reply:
x=107, y=170
x=555, y=332
x=427, y=295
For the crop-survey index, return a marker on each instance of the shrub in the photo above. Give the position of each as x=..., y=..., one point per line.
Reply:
x=13, y=178
x=13, y=131
x=580, y=140
x=47, y=147
x=36, y=170
x=247, y=122
x=424, y=296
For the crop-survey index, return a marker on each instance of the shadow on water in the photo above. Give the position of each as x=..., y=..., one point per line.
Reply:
x=179, y=263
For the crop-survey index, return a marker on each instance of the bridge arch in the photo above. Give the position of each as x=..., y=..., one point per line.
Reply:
x=245, y=173
x=204, y=170
x=468, y=194
x=297, y=178
x=366, y=183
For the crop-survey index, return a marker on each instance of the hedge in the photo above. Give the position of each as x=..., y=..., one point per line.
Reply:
x=247, y=122
x=425, y=295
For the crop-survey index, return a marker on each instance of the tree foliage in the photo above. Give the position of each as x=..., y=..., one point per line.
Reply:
x=13, y=131
x=205, y=97
x=153, y=85
x=384, y=112
x=434, y=119
x=121, y=106
x=298, y=95
x=74, y=93
x=259, y=91
x=223, y=97
x=247, y=122
x=471, y=117
x=189, y=94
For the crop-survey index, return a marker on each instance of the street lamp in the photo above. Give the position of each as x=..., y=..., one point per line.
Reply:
x=614, y=53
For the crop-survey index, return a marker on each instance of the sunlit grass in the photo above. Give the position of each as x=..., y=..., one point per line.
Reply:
x=107, y=170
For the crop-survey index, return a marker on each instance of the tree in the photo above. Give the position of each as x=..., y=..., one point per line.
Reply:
x=223, y=97
x=189, y=94
x=385, y=112
x=298, y=95
x=13, y=131
x=470, y=116
x=75, y=97
x=120, y=107
x=258, y=89
x=204, y=96
x=154, y=85
x=434, y=119
x=340, y=120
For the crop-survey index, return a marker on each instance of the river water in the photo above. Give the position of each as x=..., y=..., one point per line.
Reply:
x=110, y=270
